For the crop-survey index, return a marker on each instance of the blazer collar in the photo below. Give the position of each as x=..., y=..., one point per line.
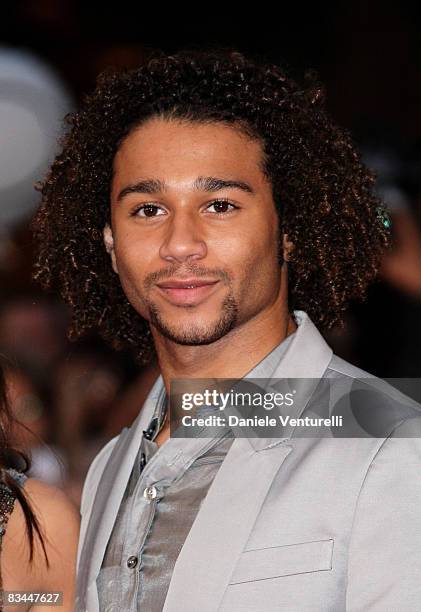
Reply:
x=306, y=358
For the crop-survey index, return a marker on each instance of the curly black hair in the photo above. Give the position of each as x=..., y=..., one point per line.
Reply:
x=323, y=192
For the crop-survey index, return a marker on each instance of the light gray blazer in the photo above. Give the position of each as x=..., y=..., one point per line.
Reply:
x=289, y=524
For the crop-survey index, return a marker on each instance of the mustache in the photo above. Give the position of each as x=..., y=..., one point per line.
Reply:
x=177, y=271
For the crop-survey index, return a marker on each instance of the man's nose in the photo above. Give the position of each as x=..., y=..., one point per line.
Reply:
x=183, y=240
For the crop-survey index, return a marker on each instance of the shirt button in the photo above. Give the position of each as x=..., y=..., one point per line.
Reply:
x=132, y=562
x=150, y=492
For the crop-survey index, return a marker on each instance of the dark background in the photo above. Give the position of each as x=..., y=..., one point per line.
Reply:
x=367, y=53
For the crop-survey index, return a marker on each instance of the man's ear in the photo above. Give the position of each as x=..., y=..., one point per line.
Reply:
x=109, y=245
x=287, y=246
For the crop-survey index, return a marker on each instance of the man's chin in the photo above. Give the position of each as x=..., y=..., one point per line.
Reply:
x=193, y=334
x=197, y=332
x=190, y=336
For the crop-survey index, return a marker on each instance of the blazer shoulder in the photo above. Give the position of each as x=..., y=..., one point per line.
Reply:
x=386, y=400
x=95, y=472
x=100, y=462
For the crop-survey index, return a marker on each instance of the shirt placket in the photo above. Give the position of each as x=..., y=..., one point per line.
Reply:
x=158, y=474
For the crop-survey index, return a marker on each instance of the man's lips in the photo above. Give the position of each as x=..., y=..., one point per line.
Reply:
x=187, y=291
x=187, y=283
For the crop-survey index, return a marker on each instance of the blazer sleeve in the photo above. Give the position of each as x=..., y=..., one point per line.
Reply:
x=90, y=487
x=384, y=565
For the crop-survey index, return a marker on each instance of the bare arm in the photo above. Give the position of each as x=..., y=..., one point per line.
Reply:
x=59, y=522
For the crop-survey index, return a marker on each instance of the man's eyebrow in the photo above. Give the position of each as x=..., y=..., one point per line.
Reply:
x=211, y=183
x=202, y=183
x=146, y=186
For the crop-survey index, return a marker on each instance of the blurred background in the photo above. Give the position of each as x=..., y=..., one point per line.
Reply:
x=70, y=398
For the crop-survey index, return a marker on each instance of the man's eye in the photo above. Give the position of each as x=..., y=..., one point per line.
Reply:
x=221, y=206
x=149, y=210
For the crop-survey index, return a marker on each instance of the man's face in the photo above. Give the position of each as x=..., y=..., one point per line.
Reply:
x=194, y=229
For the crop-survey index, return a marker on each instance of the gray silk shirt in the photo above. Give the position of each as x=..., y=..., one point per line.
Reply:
x=161, y=501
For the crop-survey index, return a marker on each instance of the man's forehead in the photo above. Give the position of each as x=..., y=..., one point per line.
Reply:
x=195, y=156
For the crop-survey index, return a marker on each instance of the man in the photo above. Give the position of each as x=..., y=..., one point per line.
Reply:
x=205, y=208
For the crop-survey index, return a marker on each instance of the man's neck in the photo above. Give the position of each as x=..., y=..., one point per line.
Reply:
x=230, y=357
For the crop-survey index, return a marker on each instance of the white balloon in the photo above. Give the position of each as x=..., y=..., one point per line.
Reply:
x=33, y=103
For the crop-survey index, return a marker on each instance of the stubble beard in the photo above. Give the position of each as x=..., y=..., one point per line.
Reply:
x=198, y=334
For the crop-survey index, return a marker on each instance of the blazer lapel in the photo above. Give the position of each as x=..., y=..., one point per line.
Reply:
x=222, y=527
